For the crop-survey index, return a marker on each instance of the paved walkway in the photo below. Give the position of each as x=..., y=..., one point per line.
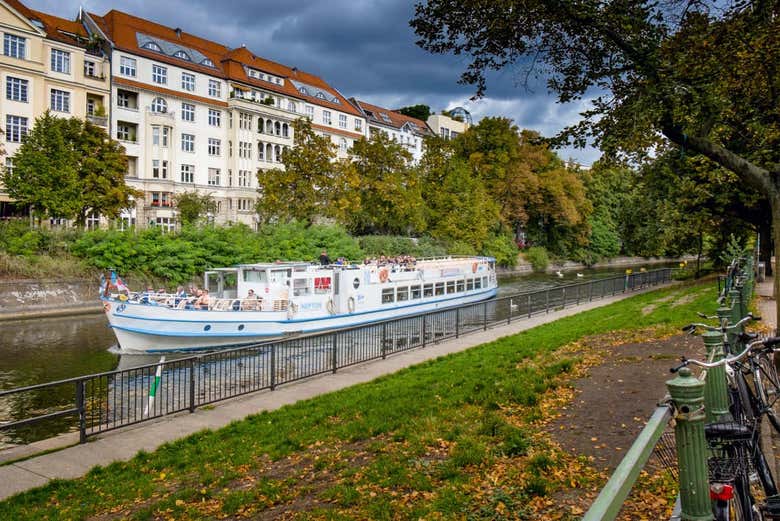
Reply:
x=121, y=445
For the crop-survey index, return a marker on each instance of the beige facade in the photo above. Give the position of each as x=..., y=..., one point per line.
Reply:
x=45, y=65
x=445, y=127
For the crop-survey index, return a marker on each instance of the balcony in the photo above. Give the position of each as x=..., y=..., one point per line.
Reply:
x=100, y=121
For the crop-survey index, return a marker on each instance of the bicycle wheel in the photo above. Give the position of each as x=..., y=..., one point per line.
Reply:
x=767, y=386
x=730, y=487
x=743, y=401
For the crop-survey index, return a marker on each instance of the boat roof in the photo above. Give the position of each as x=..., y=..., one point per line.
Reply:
x=264, y=265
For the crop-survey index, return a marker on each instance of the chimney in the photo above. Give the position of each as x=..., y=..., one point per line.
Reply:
x=178, y=32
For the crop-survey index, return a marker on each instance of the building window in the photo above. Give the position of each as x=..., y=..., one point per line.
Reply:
x=159, y=169
x=214, y=176
x=187, y=112
x=182, y=55
x=358, y=125
x=285, y=130
x=326, y=117
x=60, y=61
x=245, y=121
x=152, y=46
x=342, y=145
x=127, y=66
x=342, y=121
x=292, y=106
x=188, y=81
x=60, y=100
x=126, y=131
x=15, y=128
x=89, y=69
x=188, y=142
x=9, y=165
x=278, y=154
x=244, y=150
x=15, y=46
x=214, y=89
x=159, y=105
x=159, y=74
x=126, y=99
x=214, y=146
x=155, y=136
x=187, y=173
x=309, y=112
x=215, y=118
x=16, y=89
x=244, y=178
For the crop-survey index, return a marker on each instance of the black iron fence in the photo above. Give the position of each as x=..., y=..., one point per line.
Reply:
x=111, y=400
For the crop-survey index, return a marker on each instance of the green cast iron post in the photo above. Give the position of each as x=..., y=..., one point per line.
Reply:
x=735, y=297
x=687, y=393
x=716, y=398
x=727, y=314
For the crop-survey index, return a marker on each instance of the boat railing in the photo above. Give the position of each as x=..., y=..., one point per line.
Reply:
x=173, y=301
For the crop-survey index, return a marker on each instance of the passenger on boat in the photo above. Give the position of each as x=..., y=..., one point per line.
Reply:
x=251, y=302
x=203, y=300
x=180, y=295
x=324, y=259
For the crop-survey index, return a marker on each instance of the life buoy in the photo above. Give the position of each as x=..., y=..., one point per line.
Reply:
x=351, y=304
x=383, y=275
x=106, y=306
x=330, y=307
x=474, y=268
x=292, y=310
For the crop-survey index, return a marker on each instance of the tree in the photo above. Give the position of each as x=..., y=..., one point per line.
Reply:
x=69, y=168
x=421, y=112
x=311, y=185
x=193, y=205
x=389, y=192
x=658, y=67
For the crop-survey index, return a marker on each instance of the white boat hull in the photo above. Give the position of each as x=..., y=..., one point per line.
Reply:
x=144, y=328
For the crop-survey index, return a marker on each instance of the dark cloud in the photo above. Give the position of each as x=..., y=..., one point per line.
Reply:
x=363, y=48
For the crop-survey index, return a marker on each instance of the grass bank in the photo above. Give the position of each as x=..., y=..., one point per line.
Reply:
x=458, y=437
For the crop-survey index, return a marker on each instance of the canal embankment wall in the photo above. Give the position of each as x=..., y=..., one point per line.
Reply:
x=524, y=267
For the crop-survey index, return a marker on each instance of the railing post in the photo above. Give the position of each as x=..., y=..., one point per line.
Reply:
x=457, y=322
x=590, y=291
x=484, y=316
x=335, y=346
x=578, y=293
x=529, y=306
x=547, y=301
x=726, y=314
x=564, y=297
x=81, y=405
x=509, y=318
x=424, y=333
x=716, y=398
x=736, y=305
x=384, y=341
x=192, y=384
x=687, y=393
x=273, y=366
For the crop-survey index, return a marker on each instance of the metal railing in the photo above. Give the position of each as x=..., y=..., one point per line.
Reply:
x=691, y=401
x=111, y=400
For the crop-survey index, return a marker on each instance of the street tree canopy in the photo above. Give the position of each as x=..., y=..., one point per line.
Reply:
x=69, y=168
x=703, y=75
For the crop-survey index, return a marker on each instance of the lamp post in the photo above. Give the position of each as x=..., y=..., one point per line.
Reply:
x=209, y=218
x=256, y=219
x=175, y=216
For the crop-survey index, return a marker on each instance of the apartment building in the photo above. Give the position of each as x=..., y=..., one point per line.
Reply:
x=196, y=115
x=408, y=131
x=47, y=63
x=449, y=126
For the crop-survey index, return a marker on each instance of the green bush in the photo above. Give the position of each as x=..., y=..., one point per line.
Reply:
x=503, y=248
x=538, y=257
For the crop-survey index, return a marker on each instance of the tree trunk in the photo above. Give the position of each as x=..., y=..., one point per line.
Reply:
x=766, y=244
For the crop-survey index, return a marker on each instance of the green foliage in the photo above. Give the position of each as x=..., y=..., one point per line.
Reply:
x=68, y=168
x=421, y=112
x=538, y=257
x=502, y=247
x=193, y=206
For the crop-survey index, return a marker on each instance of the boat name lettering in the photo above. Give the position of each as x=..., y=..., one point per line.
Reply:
x=311, y=305
x=120, y=308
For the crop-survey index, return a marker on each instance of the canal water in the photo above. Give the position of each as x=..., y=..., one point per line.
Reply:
x=45, y=350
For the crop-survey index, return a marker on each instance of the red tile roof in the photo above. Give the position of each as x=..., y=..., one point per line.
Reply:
x=397, y=120
x=56, y=28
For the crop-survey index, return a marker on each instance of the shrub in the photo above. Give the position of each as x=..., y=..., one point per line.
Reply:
x=502, y=248
x=538, y=258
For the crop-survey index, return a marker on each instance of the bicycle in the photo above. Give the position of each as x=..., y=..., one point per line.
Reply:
x=736, y=455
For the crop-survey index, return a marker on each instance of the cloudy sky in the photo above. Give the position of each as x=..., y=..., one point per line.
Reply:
x=364, y=48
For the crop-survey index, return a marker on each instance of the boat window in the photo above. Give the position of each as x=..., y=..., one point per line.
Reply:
x=478, y=283
x=439, y=288
x=388, y=295
x=469, y=284
x=428, y=290
x=321, y=285
x=461, y=285
x=301, y=287
x=416, y=293
x=484, y=282
x=356, y=283
x=451, y=286
x=254, y=276
x=402, y=293
x=279, y=276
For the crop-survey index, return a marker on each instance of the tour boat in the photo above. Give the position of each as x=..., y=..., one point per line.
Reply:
x=289, y=299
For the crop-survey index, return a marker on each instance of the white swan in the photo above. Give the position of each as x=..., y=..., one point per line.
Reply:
x=559, y=274
x=580, y=275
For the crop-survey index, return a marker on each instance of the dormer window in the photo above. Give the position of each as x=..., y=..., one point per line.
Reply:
x=159, y=106
x=152, y=47
x=302, y=90
x=182, y=55
x=320, y=95
x=207, y=63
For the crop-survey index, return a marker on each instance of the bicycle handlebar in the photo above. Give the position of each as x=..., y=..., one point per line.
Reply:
x=767, y=342
x=690, y=328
